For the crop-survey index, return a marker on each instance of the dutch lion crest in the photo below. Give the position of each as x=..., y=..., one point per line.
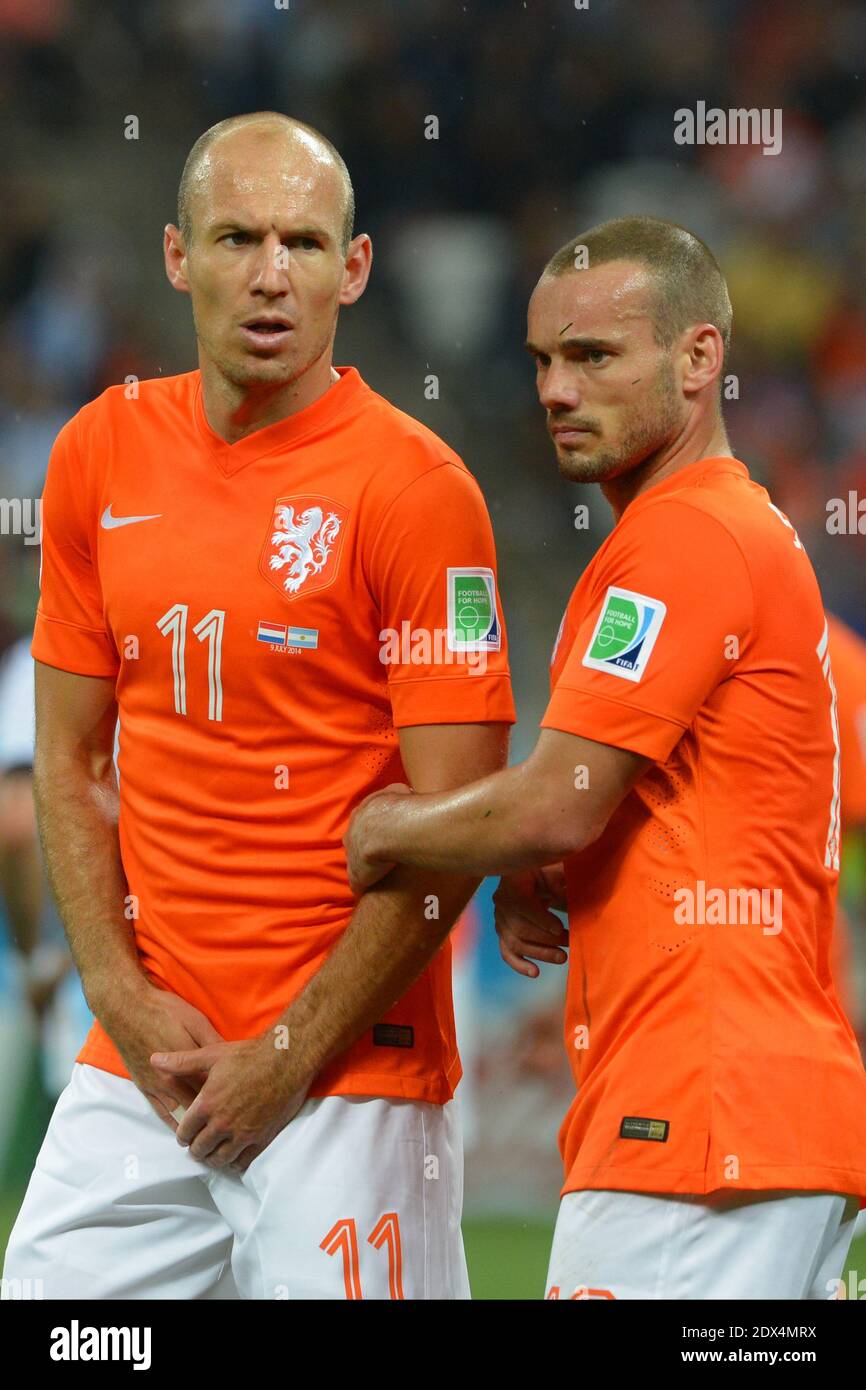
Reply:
x=301, y=543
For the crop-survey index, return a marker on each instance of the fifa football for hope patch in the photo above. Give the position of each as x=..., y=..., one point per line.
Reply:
x=473, y=623
x=625, y=633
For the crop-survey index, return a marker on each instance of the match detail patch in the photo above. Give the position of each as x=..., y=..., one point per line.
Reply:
x=473, y=623
x=625, y=633
x=636, y=1127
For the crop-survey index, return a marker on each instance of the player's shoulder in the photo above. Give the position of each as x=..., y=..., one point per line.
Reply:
x=724, y=508
x=413, y=449
x=153, y=396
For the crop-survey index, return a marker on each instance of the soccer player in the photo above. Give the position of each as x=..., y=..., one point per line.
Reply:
x=287, y=589
x=686, y=774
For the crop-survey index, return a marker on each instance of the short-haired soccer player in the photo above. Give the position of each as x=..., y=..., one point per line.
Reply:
x=687, y=773
x=287, y=588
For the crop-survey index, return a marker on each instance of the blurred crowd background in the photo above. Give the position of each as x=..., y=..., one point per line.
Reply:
x=548, y=118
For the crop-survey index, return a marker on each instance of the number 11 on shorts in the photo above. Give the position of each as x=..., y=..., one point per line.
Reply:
x=343, y=1239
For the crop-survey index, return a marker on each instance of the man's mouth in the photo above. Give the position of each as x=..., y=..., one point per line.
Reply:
x=563, y=430
x=266, y=331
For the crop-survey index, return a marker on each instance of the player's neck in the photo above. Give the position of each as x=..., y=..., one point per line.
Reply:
x=711, y=442
x=234, y=411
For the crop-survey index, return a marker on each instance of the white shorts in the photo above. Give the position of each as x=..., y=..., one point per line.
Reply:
x=356, y=1198
x=725, y=1245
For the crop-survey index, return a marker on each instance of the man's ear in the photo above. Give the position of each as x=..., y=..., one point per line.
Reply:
x=175, y=258
x=359, y=260
x=706, y=357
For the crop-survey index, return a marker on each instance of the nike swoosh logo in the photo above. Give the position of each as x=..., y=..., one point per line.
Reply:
x=108, y=522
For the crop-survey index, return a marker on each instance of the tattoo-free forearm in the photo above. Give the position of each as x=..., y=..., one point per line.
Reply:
x=498, y=825
x=394, y=933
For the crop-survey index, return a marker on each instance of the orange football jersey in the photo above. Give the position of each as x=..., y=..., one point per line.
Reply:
x=273, y=611
x=707, y=1041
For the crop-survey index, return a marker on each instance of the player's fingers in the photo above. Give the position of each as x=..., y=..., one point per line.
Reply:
x=522, y=929
x=224, y=1154
x=196, y=1120
x=523, y=967
x=208, y=1141
x=171, y=1106
x=245, y=1157
x=551, y=884
x=542, y=917
x=530, y=910
x=202, y=1031
x=522, y=946
x=365, y=875
x=162, y=1107
x=554, y=955
x=197, y=1060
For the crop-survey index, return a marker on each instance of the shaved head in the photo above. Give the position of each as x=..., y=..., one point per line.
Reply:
x=199, y=166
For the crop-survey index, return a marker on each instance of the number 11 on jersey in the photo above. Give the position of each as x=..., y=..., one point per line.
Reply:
x=209, y=629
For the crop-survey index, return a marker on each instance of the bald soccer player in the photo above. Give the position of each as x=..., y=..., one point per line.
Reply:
x=263, y=1108
x=687, y=773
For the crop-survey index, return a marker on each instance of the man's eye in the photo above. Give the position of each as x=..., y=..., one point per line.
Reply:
x=230, y=236
x=306, y=243
x=596, y=356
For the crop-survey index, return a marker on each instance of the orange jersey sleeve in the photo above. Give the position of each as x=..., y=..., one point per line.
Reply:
x=70, y=630
x=659, y=632
x=442, y=637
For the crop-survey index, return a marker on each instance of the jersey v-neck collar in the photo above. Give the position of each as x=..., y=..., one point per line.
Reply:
x=282, y=434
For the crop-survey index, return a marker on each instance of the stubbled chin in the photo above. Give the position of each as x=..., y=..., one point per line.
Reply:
x=580, y=470
x=264, y=368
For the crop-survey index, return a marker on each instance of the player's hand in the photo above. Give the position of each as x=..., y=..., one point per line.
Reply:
x=360, y=838
x=155, y=1018
x=550, y=886
x=251, y=1092
x=526, y=927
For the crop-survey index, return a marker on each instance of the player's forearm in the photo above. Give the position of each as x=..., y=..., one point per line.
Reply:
x=505, y=823
x=394, y=934
x=77, y=814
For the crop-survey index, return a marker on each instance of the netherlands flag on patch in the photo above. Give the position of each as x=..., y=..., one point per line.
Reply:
x=272, y=632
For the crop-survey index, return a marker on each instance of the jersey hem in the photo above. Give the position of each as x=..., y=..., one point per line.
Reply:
x=84, y=651
x=457, y=699
x=770, y=1178
x=591, y=720
x=437, y=1090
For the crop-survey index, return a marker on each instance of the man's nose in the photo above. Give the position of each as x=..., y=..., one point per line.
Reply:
x=559, y=387
x=271, y=272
